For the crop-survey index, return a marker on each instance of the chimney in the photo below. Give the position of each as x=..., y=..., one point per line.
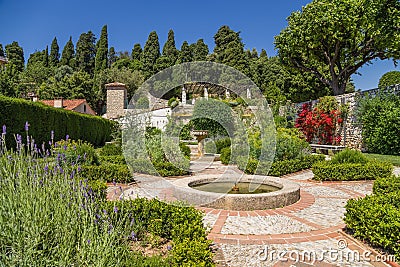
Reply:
x=116, y=100
x=58, y=103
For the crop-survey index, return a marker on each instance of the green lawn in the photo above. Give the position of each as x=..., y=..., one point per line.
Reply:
x=395, y=160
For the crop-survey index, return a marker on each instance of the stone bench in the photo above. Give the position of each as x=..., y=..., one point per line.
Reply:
x=326, y=149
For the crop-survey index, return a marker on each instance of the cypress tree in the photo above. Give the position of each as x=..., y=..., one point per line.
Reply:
x=46, y=57
x=15, y=55
x=54, y=57
x=102, y=51
x=137, y=52
x=169, y=49
x=151, y=53
x=86, y=52
x=263, y=53
x=68, y=54
x=2, y=51
x=200, y=51
x=111, y=56
x=229, y=49
x=186, y=53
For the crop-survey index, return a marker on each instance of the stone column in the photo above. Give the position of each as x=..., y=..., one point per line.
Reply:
x=227, y=94
x=116, y=99
x=205, y=93
x=183, y=96
x=248, y=93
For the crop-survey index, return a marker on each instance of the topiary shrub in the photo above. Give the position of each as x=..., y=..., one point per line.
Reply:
x=185, y=150
x=328, y=171
x=290, y=144
x=112, y=159
x=226, y=155
x=111, y=149
x=349, y=156
x=107, y=172
x=387, y=185
x=222, y=143
x=76, y=152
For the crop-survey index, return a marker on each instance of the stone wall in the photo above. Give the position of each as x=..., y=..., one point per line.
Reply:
x=116, y=100
x=352, y=130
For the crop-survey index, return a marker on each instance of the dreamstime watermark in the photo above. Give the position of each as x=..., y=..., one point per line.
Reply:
x=194, y=83
x=341, y=254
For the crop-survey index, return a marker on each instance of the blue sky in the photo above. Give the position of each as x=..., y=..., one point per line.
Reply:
x=35, y=23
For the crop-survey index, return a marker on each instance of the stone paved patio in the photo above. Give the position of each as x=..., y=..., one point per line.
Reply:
x=312, y=225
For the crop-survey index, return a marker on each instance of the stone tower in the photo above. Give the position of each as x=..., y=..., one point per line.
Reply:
x=116, y=100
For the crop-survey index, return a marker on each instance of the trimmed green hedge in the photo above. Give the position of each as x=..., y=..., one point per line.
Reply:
x=387, y=185
x=328, y=171
x=112, y=159
x=107, y=172
x=43, y=119
x=376, y=219
x=281, y=167
x=182, y=225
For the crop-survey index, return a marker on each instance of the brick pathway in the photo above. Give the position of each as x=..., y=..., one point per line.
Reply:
x=312, y=225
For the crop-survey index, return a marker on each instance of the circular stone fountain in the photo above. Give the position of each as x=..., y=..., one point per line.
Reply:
x=208, y=191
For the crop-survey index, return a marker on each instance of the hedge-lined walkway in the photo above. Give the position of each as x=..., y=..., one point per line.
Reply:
x=313, y=224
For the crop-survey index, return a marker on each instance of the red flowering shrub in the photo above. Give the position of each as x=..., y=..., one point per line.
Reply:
x=322, y=123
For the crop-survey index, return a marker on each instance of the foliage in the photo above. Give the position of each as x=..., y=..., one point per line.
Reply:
x=111, y=149
x=107, y=172
x=290, y=145
x=332, y=39
x=376, y=219
x=45, y=119
x=199, y=50
x=142, y=103
x=222, y=143
x=15, y=56
x=322, y=123
x=329, y=171
x=120, y=160
x=101, y=58
x=185, y=55
x=54, y=57
x=185, y=150
x=151, y=52
x=173, y=102
x=279, y=168
x=349, y=156
x=86, y=52
x=68, y=54
x=182, y=225
x=226, y=155
x=386, y=185
x=75, y=152
x=380, y=119
x=389, y=78
x=214, y=116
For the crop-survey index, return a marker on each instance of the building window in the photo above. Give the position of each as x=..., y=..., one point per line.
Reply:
x=84, y=108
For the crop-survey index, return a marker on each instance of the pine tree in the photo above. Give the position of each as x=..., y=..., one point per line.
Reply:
x=229, y=49
x=200, y=51
x=2, y=51
x=102, y=51
x=111, y=56
x=186, y=53
x=68, y=54
x=169, y=49
x=46, y=57
x=151, y=53
x=137, y=52
x=86, y=52
x=54, y=57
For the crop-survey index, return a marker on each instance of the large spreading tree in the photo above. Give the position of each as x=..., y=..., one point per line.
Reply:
x=332, y=39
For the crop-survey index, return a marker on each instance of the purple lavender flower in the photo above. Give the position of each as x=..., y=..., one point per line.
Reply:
x=46, y=168
x=115, y=209
x=88, y=241
x=133, y=235
x=114, y=183
x=26, y=126
x=52, y=135
x=65, y=147
x=4, y=129
x=72, y=175
x=19, y=138
x=132, y=221
x=169, y=247
x=66, y=137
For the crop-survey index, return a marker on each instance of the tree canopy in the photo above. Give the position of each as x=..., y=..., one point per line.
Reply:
x=389, y=78
x=332, y=39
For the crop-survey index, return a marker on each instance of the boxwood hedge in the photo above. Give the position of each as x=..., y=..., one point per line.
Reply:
x=43, y=119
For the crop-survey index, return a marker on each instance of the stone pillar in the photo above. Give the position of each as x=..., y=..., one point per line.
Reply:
x=248, y=93
x=183, y=96
x=205, y=93
x=227, y=94
x=116, y=99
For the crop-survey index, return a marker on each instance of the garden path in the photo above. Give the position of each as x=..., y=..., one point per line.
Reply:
x=312, y=226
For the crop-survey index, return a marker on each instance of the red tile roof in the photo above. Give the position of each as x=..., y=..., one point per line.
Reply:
x=69, y=104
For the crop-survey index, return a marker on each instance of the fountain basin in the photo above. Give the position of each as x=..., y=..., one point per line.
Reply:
x=287, y=193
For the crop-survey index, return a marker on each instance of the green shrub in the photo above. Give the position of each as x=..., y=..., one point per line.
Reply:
x=76, y=152
x=107, y=172
x=182, y=225
x=168, y=169
x=185, y=150
x=349, y=156
x=142, y=166
x=44, y=119
x=290, y=145
x=376, y=219
x=226, y=155
x=380, y=117
x=328, y=171
x=222, y=143
x=112, y=159
x=172, y=102
x=111, y=149
x=387, y=185
x=99, y=188
x=142, y=103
